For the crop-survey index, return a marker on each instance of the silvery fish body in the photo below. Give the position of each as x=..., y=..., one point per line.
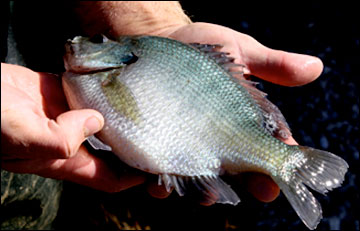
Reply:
x=177, y=110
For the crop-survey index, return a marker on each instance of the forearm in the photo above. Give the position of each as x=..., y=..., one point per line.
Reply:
x=130, y=18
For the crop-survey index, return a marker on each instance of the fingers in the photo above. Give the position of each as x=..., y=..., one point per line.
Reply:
x=290, y=141
x=28, y=131
x=159, y=191
x=156, y=190
x=77, y=125
x=66, y=134
x=89, y=170
x=43, y=138
x=280, y=67
x=83, y=168
x=262, y=187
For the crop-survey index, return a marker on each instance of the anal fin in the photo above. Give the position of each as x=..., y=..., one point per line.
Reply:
x=212, y=188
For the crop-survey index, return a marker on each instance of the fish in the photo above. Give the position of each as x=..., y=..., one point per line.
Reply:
x=184, y=112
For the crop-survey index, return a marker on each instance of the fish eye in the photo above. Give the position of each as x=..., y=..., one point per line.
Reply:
x=98, y=38
x=129, y=59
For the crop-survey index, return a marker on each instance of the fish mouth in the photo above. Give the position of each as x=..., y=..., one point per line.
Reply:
x=97, y=38
x=78, y=69
x=77, y=39
x=84, y=64
x=88, y=55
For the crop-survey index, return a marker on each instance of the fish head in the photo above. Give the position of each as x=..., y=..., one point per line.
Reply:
x=83, y=55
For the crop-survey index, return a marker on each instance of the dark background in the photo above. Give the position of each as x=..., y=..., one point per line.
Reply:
x=323, y=114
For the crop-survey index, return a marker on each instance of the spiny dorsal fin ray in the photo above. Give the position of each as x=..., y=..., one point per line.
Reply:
x=207, y=47
x=221, y=58
x=272, y=119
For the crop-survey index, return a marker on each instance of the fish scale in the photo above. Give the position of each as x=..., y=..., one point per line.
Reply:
x=176, y=110
x=157, y=114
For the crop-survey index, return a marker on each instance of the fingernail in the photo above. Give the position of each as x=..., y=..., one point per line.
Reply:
x=92, y=125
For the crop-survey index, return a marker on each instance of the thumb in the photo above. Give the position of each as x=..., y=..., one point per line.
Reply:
x=70, y=129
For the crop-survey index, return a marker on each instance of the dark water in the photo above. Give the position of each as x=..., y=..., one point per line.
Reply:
x=323, y=114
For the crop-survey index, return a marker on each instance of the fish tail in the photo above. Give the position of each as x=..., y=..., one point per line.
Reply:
x=321, y=171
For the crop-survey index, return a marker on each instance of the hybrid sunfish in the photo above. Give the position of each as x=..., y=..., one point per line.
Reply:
x=177, y=110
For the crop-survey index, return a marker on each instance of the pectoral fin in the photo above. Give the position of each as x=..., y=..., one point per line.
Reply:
x=98, y=144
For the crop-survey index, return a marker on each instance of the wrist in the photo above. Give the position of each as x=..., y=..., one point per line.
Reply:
x=131, y=18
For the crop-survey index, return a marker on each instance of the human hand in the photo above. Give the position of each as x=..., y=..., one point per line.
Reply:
x=40, y=135
x=275, y=66
x=279, y=67
x=168, y=20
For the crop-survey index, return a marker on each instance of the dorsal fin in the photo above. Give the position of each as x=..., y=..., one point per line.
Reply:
x=207, y=47
x=273, y=120
x=221, y=58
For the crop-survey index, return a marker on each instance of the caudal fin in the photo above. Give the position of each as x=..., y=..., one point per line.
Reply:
x=322, y=171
